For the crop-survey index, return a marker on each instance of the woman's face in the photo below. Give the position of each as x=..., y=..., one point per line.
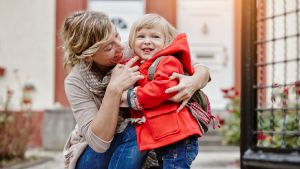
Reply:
x=109, y=53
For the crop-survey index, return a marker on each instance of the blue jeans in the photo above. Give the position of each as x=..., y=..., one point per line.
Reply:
x=178, y=155
x=123, y=153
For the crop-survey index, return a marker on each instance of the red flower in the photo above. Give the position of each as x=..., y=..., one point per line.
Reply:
x=225, y=90
x=229, y=96
x=221, y=121
x=10, y=93
x=236, y=93
x=260, y=135
x=275, y=85
x=263, y=137
x=297, y=83
x=27, y=101
x=232, y=88
x=28, y=88
x=286, y=91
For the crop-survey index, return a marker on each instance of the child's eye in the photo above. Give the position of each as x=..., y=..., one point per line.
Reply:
x=140, y=36
x=155, y=37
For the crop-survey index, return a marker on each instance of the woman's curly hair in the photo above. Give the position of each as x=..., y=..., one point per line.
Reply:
x=82, y=34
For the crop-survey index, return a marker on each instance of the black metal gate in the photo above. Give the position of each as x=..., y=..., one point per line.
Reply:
x=270, y=136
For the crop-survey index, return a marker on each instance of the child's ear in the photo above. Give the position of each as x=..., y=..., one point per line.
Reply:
x=87, y=59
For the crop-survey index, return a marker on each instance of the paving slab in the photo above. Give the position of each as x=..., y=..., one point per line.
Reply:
x=216, y=160
x=204, y=160
x=57, y=161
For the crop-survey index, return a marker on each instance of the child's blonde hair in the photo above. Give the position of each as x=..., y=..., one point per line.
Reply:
x=82, y=33
x=149, y=21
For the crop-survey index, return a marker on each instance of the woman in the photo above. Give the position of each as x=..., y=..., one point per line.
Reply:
x=103, y=136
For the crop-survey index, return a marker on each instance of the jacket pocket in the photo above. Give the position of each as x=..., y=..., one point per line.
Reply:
x=163, y=120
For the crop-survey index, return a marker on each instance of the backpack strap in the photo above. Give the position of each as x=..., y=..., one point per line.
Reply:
x=152, y=68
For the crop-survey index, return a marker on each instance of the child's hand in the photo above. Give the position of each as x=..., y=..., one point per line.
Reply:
x=124, y=96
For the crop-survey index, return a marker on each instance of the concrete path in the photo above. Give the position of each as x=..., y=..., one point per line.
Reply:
x=216, y=160
x=56, y=163
x=204, y=160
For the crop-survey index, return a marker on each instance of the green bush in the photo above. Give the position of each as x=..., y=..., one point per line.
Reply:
x=16, y=128
x=286, y=98
x=231, y=125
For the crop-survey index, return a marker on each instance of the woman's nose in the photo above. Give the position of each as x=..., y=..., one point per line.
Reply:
x=120, y=46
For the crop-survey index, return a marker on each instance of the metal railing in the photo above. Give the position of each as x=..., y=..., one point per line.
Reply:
x=270, y=105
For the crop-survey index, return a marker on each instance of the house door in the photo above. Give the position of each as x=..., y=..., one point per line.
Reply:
x=209, y=28
x=122, y=13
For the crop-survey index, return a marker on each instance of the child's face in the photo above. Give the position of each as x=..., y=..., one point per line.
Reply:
x=149, y=42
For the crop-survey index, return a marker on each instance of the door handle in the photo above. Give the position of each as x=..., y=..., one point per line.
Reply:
x=204, y=29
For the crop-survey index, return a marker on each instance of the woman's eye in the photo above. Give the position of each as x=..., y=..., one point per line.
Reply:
x=110, y=48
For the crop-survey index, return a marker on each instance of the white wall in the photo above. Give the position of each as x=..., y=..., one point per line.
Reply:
x=27, y=43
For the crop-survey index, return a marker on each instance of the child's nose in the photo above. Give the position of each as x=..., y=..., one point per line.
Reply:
x=147, y=40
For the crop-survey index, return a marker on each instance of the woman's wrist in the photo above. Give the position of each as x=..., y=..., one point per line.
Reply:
x=114, y=89
x=201, y=77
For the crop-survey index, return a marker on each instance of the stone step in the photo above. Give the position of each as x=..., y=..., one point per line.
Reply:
x=212, y=132
x=219, y=148
x=208, y=140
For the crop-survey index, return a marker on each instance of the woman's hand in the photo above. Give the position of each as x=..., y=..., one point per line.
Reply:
x=188, y=85
x=124, y=76
x=185, y=89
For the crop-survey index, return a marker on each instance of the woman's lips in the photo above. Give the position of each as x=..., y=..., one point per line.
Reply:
x=119, y=56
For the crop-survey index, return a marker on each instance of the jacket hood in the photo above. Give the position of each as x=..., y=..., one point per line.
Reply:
x=180, y=49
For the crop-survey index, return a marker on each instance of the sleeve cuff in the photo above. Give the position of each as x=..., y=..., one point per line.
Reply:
x=96, y=143
x=128, y=98
x=198, y=64
x=133, y=102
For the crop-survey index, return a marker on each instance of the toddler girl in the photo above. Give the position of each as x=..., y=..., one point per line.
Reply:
x=159, y=126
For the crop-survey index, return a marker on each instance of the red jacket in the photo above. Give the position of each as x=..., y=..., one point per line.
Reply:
x=163, y=124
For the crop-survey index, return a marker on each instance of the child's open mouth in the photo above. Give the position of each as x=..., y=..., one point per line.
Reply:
x=147, y=50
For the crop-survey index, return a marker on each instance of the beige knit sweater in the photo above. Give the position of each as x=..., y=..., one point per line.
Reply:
x=85, y=106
